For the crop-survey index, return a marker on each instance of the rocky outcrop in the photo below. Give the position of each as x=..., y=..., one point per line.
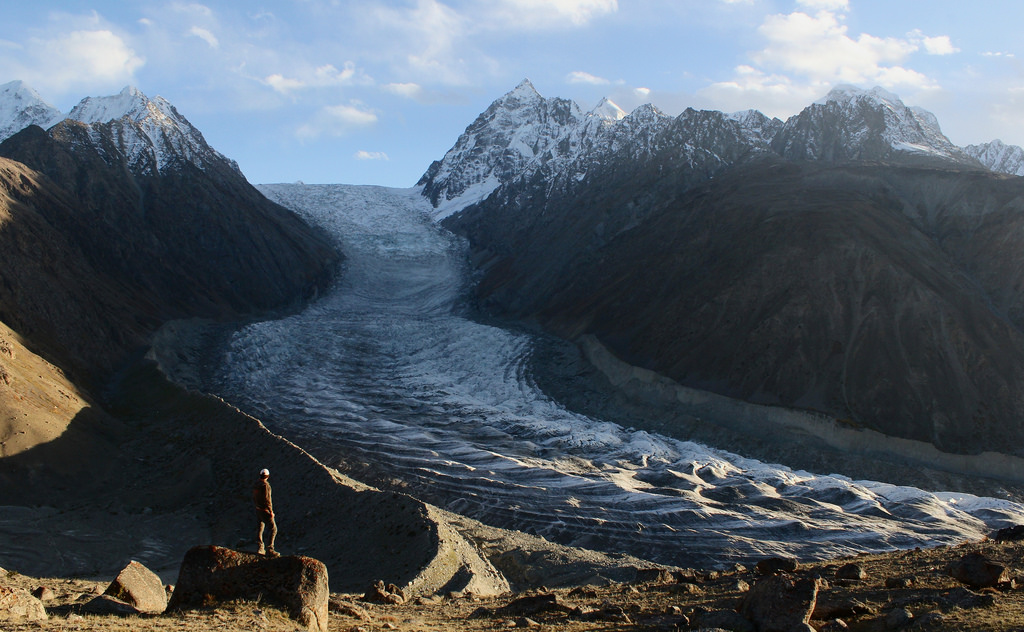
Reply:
x=298, y=584
x=140, y=587
x=19, y=604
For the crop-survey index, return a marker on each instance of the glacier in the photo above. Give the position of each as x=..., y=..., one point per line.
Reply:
x=389, y=377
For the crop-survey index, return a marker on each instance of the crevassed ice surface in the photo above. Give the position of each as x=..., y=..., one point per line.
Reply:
x=384, y=370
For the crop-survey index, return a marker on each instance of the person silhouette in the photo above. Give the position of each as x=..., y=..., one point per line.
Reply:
x=265, y=513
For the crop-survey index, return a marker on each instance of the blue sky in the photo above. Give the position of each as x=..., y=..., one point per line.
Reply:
x=371, y=91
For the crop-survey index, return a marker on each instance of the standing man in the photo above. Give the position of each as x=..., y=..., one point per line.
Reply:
x=265, y=513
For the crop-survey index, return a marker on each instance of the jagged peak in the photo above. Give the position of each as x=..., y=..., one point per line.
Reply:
x=18, y=90
x=749, y=115
x=607, y=110
x=994, y=143
x=645, y=111
x=21, y=106
x=130, y=101
x=524, y=90
x=19, y=87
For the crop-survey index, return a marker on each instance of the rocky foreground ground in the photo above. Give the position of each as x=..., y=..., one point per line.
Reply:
x=944, y=588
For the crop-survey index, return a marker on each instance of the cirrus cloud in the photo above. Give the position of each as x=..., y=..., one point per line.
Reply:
x=204, y=35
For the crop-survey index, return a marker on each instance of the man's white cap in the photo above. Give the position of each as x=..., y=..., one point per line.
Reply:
x=264, y=472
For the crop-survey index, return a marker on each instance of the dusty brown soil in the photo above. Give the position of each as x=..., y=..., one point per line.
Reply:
x=37, y=401
x=667, y=602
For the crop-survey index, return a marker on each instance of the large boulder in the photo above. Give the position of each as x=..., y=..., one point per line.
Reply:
x=18, y=603
x=213, y=573
x=779, y=604
x=977, y=571
x=140, y=587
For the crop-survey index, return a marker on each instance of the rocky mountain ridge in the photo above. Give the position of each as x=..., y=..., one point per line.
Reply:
x=856, y=263
x=999, y=157
x=147, y=210
x=522, y=133
x=150, y=133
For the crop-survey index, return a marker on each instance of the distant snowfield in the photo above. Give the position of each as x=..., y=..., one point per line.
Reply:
x=384, y=371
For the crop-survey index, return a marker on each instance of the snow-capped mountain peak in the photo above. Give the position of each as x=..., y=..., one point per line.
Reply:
x=129, y=102
x=851, y=123
x=524, y=91
x=999, y=157
x=607, y=110
x=846, y=93
x=21, y=106
x=520, y=129
x=149, y=132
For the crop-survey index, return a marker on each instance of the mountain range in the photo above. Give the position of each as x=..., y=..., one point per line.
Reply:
x=850, y=261
x=523, y=133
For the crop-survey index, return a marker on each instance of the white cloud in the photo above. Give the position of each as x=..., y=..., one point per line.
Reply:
x=940, y=45
x=805, y=54
x=820, y=49
x=350, y=115
x=283, y=84
x=337, y=120
x=320, y=77
x=204, y=35
x=773, y=94
x=440, y=42
x=643, y=93
x=193, y=8
x=544, y=14
x=407, y=90
x=428, y=34
x=824, y=5
x=371, y=155
x=79, y=58
x=329, y=75
x=578, y=76
x=997, y=54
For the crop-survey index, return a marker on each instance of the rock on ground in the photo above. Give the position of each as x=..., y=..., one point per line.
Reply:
x=18, y=603
x=140, y=587
x=779, y=604
x=977, y=571
x=299, y=584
